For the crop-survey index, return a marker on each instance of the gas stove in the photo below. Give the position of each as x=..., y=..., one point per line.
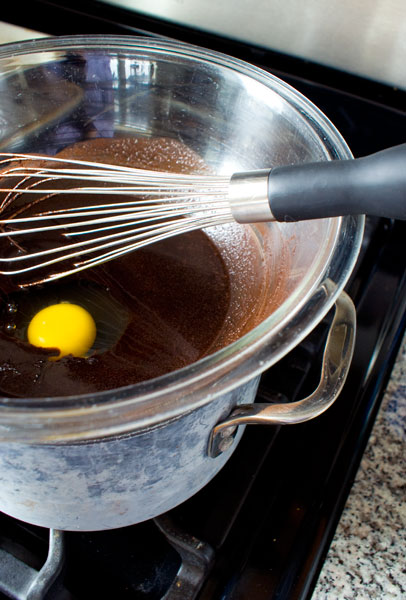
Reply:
x=262, y=528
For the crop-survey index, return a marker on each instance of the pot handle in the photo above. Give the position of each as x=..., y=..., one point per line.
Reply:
x=335, y=366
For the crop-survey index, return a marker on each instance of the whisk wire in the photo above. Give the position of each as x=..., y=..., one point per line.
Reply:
x=159, y=205
x=139, y=237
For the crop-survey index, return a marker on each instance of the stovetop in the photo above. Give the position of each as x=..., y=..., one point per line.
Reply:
x=262, y=528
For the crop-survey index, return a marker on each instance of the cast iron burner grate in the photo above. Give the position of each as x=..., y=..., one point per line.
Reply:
x=154, y=560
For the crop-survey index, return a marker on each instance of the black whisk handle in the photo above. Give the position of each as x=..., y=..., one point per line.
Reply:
x=373, y=185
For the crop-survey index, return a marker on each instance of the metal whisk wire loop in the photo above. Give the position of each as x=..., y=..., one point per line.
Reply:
x=43, y=198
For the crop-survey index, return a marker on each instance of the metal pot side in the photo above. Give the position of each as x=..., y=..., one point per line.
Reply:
x=119, y=481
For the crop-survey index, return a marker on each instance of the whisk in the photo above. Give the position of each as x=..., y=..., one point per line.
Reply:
x=145, y=206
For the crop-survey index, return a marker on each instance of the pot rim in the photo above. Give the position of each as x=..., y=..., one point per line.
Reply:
x=149, y=403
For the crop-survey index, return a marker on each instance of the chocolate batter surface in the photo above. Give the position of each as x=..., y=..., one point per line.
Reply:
x=156, y=309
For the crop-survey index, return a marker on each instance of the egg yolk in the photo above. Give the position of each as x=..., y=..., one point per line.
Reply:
x=67, y=327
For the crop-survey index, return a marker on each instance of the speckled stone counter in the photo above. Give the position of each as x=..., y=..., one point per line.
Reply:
x=367, y=558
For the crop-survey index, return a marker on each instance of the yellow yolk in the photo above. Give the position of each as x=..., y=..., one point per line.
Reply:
x=65, y=326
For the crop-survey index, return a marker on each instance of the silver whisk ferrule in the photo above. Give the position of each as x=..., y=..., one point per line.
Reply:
x=248, y=197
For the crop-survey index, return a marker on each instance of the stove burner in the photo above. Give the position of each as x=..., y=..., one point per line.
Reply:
x=20, y=580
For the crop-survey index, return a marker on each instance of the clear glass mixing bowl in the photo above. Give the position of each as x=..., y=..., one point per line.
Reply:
x=236, y=117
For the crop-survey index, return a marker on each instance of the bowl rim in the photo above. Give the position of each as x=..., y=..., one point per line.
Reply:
x=147, y=404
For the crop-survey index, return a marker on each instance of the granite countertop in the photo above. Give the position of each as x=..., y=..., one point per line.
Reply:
x=366, y=559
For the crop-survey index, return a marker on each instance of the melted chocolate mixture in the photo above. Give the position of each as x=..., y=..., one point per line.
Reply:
x=156, y=309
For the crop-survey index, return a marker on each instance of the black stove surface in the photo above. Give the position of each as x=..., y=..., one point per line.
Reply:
x=261, y=529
